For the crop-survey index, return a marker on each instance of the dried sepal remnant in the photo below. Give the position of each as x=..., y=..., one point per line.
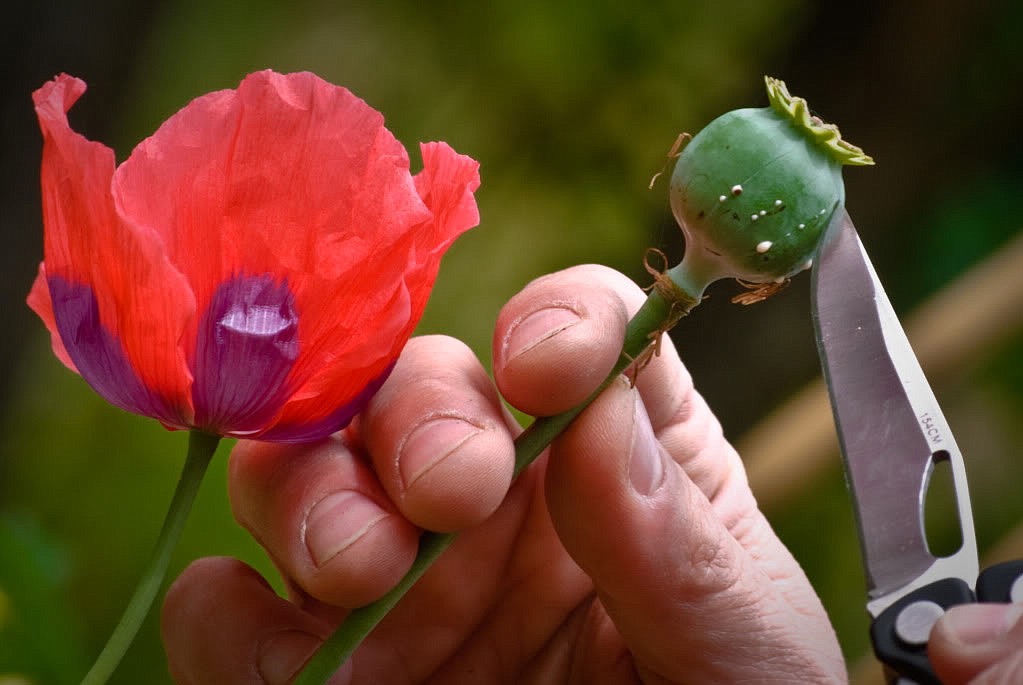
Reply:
x=673, y=153
x=758, y=292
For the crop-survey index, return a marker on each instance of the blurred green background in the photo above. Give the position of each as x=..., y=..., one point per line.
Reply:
x=570, y=107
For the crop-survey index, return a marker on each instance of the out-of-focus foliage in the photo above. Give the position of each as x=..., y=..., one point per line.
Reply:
x=570, y=107
x=36, y=618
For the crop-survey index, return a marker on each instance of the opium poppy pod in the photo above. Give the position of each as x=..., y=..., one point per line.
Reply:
x=755, y=190
x=252, y=269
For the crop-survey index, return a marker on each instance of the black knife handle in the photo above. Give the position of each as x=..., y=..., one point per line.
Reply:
x=996, y=583
x=899, y=634
x=899, y=645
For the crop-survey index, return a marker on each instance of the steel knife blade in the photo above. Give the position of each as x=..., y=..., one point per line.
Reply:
x=891, y=429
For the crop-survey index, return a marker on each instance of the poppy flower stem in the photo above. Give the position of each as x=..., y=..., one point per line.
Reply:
x=201, y=447
x=668, y=302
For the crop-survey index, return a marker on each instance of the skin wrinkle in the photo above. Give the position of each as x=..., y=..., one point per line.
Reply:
x=667, y=389
x=280, y=468
x=726, y=488
x=263, y=641
x=733, y=502
x=372, y=567
x=580, y=626
x=754, y=533
x=206, y=602
x=752, y=662
x=586, y=342
x=585, y=365
x=475, y=611
x=525, y=569
x=569, y=305
x=695, y=604
x=712, y=571
x=554, y=661
x=480, y=425
x=597, y=625
x=782, y=662
x=1005, y=672
x=522, y=578
x=352, y=539
x=703, y=464
x=672, y=401
x=747, y=525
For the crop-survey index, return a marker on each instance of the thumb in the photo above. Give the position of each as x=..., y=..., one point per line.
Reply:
x=690, y=602
x=982, y=641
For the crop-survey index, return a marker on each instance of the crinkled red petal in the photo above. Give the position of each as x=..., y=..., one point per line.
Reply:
x=141, y=301
x=447, y=185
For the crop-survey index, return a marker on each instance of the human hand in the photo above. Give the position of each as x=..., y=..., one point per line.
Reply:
x=633, y=551
x=980, y=644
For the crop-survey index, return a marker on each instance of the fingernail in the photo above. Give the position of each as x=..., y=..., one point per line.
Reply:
x=537, y=327
x=283, y=654
x=646, y=468
x=337, y=521
x=429, y=443
x=975, y=624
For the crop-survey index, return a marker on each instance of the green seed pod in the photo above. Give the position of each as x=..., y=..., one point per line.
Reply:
x=754, y=191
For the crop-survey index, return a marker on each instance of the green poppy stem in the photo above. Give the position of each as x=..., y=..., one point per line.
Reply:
x=201, y=447
x=667, y=303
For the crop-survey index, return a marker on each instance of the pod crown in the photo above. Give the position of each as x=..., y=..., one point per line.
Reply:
x=827, y=136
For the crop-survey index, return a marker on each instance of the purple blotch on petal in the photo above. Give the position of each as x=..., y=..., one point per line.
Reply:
x=98, y=355
x=246, y=344
x=333, y=422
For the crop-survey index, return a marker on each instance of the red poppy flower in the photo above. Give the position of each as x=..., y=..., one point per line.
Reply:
x=253, y=268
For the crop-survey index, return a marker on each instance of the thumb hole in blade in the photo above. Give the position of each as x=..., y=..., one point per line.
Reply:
x=941, y=525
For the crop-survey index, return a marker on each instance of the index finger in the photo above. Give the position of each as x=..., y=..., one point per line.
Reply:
x=559, y=338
